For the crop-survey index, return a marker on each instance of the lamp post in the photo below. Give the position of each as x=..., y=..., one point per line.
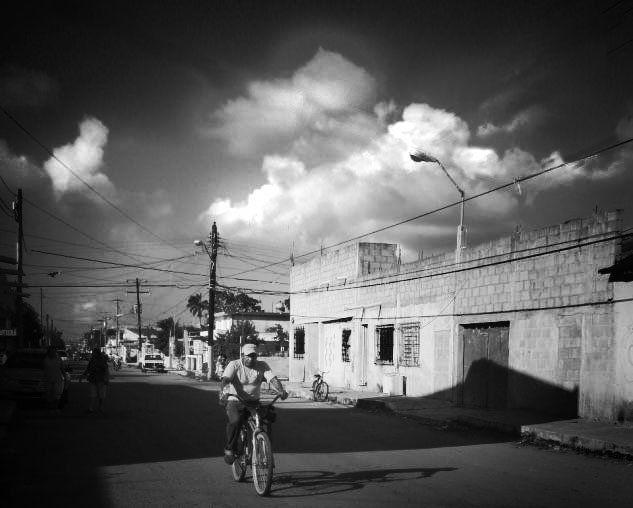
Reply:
x=421, y=156
x=213, y=240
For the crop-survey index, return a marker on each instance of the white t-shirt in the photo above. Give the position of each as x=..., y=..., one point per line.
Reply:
x=248, y=379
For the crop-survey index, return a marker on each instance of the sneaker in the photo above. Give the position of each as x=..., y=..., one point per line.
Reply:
x=229, y=457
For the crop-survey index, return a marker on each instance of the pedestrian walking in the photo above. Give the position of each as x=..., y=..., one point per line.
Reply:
x=53, y=379
x=98, y=375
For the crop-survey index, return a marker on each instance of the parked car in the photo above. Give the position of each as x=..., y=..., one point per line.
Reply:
x=154, y=363
x=23, y=374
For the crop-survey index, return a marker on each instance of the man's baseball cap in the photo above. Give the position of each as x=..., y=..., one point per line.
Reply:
x=249, y=349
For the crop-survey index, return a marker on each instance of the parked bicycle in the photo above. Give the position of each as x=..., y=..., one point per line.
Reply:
x=320, y=389
x=254, y=448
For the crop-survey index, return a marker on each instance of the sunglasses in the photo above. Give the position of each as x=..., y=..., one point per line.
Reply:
x=252, y=355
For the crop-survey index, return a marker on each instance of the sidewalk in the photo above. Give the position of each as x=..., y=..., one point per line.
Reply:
x=576, y=433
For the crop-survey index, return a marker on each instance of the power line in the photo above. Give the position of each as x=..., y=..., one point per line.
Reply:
x=95, y=191
x=466, y=314
x=450, y=205
x=52, y=215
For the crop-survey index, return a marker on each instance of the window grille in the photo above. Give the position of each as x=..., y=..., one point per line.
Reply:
x=384, y=344
x=345, y=345
x=410, y=344
x=300, y=343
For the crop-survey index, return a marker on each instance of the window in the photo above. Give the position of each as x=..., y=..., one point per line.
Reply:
x=410, y=344
x=345, y=345
x=300, y=343
x=384, y=344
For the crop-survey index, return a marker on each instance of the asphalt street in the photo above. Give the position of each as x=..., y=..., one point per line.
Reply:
x=160, y=440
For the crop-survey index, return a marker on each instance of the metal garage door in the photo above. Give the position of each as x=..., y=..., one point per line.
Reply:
x=485, y=364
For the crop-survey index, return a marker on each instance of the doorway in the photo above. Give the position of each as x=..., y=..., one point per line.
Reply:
x=485, y=364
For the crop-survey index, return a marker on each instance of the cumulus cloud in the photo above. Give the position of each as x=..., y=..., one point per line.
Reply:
x=363, y=178
x=18, y=169
x=319, y=109
x=84, y=158
x=527, y=117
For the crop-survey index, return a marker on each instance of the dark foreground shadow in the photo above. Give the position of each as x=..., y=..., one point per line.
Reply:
x=488, y=385
x=60, y=459
x=320, y=483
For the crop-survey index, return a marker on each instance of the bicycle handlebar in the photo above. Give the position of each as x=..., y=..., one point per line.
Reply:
x=254, y=403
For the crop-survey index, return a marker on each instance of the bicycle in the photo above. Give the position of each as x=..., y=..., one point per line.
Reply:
x=253, y=445
x=320, y=389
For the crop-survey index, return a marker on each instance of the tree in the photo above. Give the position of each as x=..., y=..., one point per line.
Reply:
x=241, y=332
x=230, y=302
x=196, y=305
x=165, y=328
x=281, y=338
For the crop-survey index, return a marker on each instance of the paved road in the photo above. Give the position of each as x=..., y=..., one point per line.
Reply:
x=160, y=444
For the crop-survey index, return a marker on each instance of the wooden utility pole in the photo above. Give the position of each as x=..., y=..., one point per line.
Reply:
x=213, y=236
x=117, y=324
x=138, y=315
x=139, y=310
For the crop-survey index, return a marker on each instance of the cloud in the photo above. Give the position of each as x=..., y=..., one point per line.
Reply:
x=18, y=170
x=319, y=107
x=84, y=158
x=26, y=88
x=528, y=117
x=363, y=178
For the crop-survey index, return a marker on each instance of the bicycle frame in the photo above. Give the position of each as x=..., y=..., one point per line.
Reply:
x=257, y=451
x=320, y=389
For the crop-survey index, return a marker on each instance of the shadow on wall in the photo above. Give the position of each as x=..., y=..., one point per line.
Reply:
x=493, y=386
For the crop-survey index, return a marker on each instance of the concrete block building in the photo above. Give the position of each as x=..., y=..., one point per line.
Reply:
x=526, y=321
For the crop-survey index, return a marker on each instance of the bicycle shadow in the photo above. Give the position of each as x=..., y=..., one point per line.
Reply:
x=320, y=483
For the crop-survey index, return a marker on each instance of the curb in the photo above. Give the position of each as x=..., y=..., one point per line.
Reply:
x=575, y=442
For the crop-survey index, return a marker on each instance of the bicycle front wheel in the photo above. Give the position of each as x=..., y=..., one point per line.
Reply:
x=322, y=391
x=262, y=464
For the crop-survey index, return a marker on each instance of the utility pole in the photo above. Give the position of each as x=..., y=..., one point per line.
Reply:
x=117, y=315
x=138, y=315
x=214, y=255
x=139, y=310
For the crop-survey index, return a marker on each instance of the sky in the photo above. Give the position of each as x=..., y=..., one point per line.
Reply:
x=132, y=126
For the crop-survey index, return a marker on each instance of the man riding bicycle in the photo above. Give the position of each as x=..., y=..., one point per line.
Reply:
x=244, y=378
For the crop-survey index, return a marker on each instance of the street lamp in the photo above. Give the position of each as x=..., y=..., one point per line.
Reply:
x=421, y=156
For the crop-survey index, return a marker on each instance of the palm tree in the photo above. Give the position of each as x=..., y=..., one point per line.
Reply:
x=196, y=305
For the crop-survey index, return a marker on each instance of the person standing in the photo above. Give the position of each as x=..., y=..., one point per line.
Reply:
x=53, y=379
x=98, y=375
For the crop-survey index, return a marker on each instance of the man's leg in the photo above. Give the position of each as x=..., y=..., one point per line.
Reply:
x=233, y=413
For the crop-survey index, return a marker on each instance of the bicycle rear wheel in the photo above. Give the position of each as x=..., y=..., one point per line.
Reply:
x=262, y=464
x=322, y=391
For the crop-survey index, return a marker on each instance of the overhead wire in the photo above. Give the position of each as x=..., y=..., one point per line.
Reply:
x=93, y=189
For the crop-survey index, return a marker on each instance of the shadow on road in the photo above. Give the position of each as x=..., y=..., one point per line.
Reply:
x=163, y=418
x=319, y=483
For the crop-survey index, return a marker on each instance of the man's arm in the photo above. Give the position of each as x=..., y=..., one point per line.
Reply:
x=279, y=387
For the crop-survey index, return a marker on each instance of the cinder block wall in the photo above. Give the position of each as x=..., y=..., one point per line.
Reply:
x=561, y=329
